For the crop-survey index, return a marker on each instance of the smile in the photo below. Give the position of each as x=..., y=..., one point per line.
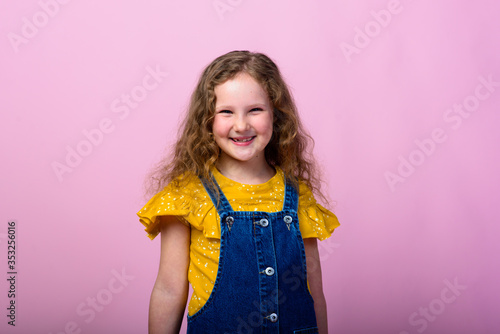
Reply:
x=242, y=140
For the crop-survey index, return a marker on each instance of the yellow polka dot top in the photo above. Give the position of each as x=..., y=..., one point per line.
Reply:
x=192, y=205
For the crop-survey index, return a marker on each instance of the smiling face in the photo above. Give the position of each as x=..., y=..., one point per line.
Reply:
x=243, y=122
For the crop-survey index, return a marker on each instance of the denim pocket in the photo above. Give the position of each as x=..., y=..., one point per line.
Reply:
x=312, y=330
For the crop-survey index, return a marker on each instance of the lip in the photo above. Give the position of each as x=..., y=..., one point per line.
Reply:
x=242, y=143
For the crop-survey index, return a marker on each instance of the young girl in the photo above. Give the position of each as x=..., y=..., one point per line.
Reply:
x=236, y=211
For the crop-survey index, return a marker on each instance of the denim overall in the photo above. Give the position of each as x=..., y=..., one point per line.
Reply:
x=261, y=284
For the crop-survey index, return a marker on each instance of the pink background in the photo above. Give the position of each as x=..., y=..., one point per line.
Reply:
x=368, y=91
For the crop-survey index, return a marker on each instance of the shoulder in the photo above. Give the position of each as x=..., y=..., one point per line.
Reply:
x=315, y=220
x=185, y=181
x=306, y=195
x=179, y=198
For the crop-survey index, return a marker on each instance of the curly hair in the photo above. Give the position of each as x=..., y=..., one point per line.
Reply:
x=196, y=151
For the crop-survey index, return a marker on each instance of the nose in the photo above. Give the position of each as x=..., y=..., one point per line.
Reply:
x=241, y=123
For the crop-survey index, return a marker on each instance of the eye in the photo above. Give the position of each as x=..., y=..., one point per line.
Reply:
x=224, y=111
x=257, y=109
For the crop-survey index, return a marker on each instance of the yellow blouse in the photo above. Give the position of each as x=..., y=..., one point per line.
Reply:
x=191, y=204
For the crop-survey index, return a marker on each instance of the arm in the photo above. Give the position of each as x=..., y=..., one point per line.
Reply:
x=316, y=283
x=170, y=291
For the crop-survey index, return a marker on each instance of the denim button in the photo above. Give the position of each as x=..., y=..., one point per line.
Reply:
x=287, y=219
x=264, y=222
x=229, y=221
x=269, y=271
x=273, y=317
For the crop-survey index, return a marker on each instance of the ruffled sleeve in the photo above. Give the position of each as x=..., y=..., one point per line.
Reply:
x=188, y=202
x=315, y=221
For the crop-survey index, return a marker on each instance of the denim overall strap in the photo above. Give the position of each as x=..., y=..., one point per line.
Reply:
x=291, y=202
x=221, y=203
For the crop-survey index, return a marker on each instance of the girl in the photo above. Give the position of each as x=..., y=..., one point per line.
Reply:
x=236, y=213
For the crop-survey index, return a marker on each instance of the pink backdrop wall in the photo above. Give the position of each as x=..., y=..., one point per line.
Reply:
x=402, y=98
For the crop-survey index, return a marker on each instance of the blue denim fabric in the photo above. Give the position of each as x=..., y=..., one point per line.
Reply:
x=261, y=284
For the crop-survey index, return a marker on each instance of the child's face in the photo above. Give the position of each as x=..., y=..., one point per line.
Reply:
x=243, y=123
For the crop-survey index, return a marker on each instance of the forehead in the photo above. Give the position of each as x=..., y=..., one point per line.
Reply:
x=242, y=87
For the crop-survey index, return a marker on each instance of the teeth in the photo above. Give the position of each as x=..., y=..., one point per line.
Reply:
x=243, y=140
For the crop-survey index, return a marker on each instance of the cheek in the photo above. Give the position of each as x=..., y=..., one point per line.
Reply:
x=218, y=127
x=266, y=126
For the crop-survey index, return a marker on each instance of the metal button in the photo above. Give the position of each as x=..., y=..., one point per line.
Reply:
x=287, y=219
x=264, y=222
x=269, y=271
x=229, y=222
x=273, y=317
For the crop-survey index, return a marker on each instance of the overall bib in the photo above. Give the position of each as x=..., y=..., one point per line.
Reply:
x=261, y=284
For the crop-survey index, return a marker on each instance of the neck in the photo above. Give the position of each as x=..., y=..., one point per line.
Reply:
x=247, y=172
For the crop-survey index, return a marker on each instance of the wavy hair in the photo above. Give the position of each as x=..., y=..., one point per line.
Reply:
x=196, y=151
